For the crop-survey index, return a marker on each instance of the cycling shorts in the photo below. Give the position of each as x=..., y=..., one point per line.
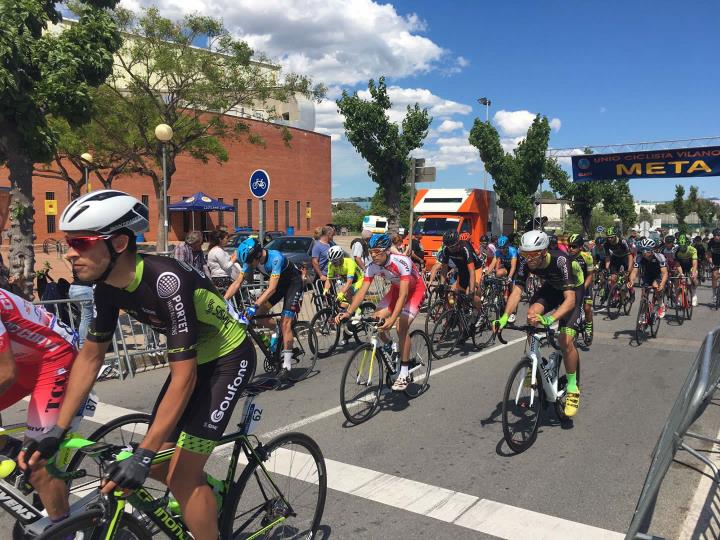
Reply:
x=291, y=293
x=45, y=382
x=412, y=304
x=588, y=294
x=551, y=298
x=685, y=264
x=217, y=391
x=617, y=263
x=715, y=260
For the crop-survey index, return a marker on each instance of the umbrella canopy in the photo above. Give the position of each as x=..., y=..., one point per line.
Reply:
x=200, y=203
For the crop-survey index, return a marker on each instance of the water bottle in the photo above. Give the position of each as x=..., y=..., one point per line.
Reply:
x=273, y=342
x=265, y=339
x=388, y=349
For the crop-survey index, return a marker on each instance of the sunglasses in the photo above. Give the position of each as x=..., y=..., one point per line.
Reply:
x=532, y=255
x=376, y=251
x=83, y=243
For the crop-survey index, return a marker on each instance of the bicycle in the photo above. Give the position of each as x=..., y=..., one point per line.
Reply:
x=253, y=506
x=437, y=304
x=540, y=378
x=303, y=360
x=647, y=318
x=679, y=298
x=619, y=297
x=601, y=290
x=327, y=331
x=362, y=378
x=458, y=323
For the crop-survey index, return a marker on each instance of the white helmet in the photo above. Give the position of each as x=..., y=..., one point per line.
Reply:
x=534, y=241
x=335, y=253
x=106, y=211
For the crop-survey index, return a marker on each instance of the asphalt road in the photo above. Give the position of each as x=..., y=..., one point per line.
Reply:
x=448, y=444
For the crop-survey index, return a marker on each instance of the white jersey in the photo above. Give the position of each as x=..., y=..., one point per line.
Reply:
x=397, y=268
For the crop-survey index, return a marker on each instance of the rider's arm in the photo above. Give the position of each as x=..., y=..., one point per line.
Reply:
x=633, y=274
x=663, y=278
x=471, y=285
x=435, y=269
x=271, y=288
x=235, y=286
x=513, y=300
x=8, y=369
x=359, y=296
x=513, y=266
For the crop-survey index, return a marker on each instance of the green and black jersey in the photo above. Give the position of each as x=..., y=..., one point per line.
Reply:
x=176, y=300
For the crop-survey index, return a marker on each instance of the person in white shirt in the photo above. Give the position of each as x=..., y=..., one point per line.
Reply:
x=222, y=269
x=360, y=251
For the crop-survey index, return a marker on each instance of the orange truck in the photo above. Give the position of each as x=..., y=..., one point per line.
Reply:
x=439, y=210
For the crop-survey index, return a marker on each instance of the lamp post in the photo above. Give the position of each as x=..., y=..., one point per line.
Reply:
x=164, y=134
x=485, y=101
x=87, y=161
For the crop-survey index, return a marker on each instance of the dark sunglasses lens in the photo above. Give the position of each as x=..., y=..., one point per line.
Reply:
x=82, y=243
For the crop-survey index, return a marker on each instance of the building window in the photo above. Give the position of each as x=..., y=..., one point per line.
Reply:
x=221, y=213
x=287, y=214
x=50, y=196
x=298, y=215
x=236, y=204
x=249, y=213
x=276, y=212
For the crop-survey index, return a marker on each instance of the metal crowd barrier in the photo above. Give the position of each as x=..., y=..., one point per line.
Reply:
x=695, y=395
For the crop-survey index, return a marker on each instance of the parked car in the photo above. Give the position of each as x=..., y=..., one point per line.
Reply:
x=296, y=248
x=237, y=238
x=272, y=235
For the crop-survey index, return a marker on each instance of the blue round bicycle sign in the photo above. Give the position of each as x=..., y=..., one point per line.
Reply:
x=259, y=183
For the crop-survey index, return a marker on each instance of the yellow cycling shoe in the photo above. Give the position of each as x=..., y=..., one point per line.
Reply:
x=572, y=404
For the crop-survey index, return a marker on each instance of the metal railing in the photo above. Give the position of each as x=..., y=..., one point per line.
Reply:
x=694, y=397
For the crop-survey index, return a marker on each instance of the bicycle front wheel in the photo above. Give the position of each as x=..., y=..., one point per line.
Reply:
x=92, y=524
x=521, y=408
x=327, y=332
x=641, y=324
x=420, y=363
x=304, y=355
x=446, y=334
x=281, y=497
x=361, y=384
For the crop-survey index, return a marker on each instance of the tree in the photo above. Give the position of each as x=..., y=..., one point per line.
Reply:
x=348, y=214
x=664, y=208
x=707, y=212
x=598, y=217
x=681, y=207
x=619, y=201
x=547, y=194
x=517, y=175
x=378, y=205
x=45, y=73
x=160, y=76
x=382, y=143
x=644, y=215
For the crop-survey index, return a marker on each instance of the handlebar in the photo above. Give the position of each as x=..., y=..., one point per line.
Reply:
x=527, y=328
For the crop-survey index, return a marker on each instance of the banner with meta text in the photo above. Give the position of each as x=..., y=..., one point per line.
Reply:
x=675, y=163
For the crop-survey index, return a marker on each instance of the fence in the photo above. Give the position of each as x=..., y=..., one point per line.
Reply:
x=694, y=397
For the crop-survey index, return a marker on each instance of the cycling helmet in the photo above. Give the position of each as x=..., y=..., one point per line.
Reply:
x=450, y=238
x=105, y=211
x=534, y=241
x=697, y=239
x=336, y=253
x=646, y=244
x=380, y=241
x=669, y=239
x=502, y=241
x=553, y=240
x=576, y=240
x=682, y=240
x=248, y=250
x=484, y=238
x=610, y=231
x=716, y=232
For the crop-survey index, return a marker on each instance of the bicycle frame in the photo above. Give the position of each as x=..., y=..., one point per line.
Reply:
x=374, y=340
x=550, y=383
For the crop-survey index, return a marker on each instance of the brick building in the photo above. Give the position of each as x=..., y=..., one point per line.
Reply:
x=299, y=186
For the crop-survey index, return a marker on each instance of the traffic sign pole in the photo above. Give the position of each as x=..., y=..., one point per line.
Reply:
x=262, y=220
x=260, y=187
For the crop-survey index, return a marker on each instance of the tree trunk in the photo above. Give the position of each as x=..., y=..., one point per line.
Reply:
x=585, y=218
x=21, y=260
x=392, y=200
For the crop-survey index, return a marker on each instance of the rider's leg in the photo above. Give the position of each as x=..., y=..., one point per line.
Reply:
x=267, y=322
x=286, y=323
x=384, y=313
x=52, y=492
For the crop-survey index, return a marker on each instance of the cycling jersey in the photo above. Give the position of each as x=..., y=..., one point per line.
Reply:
x=585, y=263
x=276, y=264
x=176, y=300
x=600, y=253
x=651, y=267
x=713, y=248
x=700, y=248
x=690, y=254
x=348, y=270
x=506, y=255
x=44, y=350
x=397, y=268
x=668, y=253
x=557, y=272
x=461, y=258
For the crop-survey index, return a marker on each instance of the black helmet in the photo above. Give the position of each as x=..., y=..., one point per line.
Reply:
x=670, y=239
x=484, y=238
x=716, y=232
x=576, y=240
x=450, y=238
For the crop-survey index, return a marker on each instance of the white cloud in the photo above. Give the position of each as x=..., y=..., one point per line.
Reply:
x=448, y=126
x=555, y=124
x=335, y=41
x=513, y=126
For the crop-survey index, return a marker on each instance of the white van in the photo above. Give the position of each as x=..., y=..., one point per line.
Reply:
x=377, y=224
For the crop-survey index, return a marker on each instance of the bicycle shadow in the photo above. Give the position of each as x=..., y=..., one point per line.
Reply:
x=631, y=333
x=389, y=401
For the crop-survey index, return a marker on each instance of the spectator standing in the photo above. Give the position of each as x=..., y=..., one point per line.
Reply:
x=82, y=292
x=415, y=250
x=219, y=261
x=190, y=252
x=360, y=249
x=319, y=253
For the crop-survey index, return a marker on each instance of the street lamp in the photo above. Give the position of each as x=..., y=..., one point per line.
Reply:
x=485, y=101
x=87, y=161
x=164, y=134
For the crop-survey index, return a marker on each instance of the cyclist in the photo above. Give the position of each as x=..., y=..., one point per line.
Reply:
x=619, y=257
x=686, y=258
x=462, y=255
x=36, y=353
x=342, y=267
x=599, y=252
x=584, y=260
x=562, y=291
x=713, y=256
x=210, y=357
x=284, y=283
x=506, y=258
x=655, y=272
x=401, y=304
x=700, y=247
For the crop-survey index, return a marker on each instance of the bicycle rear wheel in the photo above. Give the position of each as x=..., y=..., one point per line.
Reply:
x=433, y=313
x=361, y=384
x=304, y=358
x=641, y=325
x=89, y=524
x=327, y=332
x=420, y=363
x=446, y=334
x=654, y=322
x=282, y=497
x=678, y=305
x=520, y=418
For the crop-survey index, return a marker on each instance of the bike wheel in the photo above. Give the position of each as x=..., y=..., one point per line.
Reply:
x=90, y=524
x=281, y=497
x=678, y=305
x=433, y=314
x=446, y=334
x=359, y=332
x=420, y=363
x=520, y=418
x=641, y=324
x=688, y=305
x=327, y=332
x=629, y=300
x=304, y=358
x=614, y=305
x=654, y=323
x=482, y=329
x=361, y=384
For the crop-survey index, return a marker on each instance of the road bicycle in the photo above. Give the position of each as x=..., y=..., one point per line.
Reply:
x=534, y=384
x=620, y=298
x=679, y=299
x=601, y=290
x=436, y=305
x=460, y=322
x=304, y=347
x=648, y=319
x=328, y=332
x=373, y=366
x=16, y=494
x=279, y=494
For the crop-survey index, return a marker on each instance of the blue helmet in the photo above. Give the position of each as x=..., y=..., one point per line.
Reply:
x=380, y=241
x=502, y=241
x=248, y=250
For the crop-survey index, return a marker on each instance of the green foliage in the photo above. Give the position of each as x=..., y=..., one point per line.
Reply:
x=598, y=217
x=547, y=194
x=385, y=145
x=664, y=208
x=644, y=215
x=517, y=175
x=348, y=214
x=378, y=206
x=619, y=201
x=681, y=207
x=707, y=211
